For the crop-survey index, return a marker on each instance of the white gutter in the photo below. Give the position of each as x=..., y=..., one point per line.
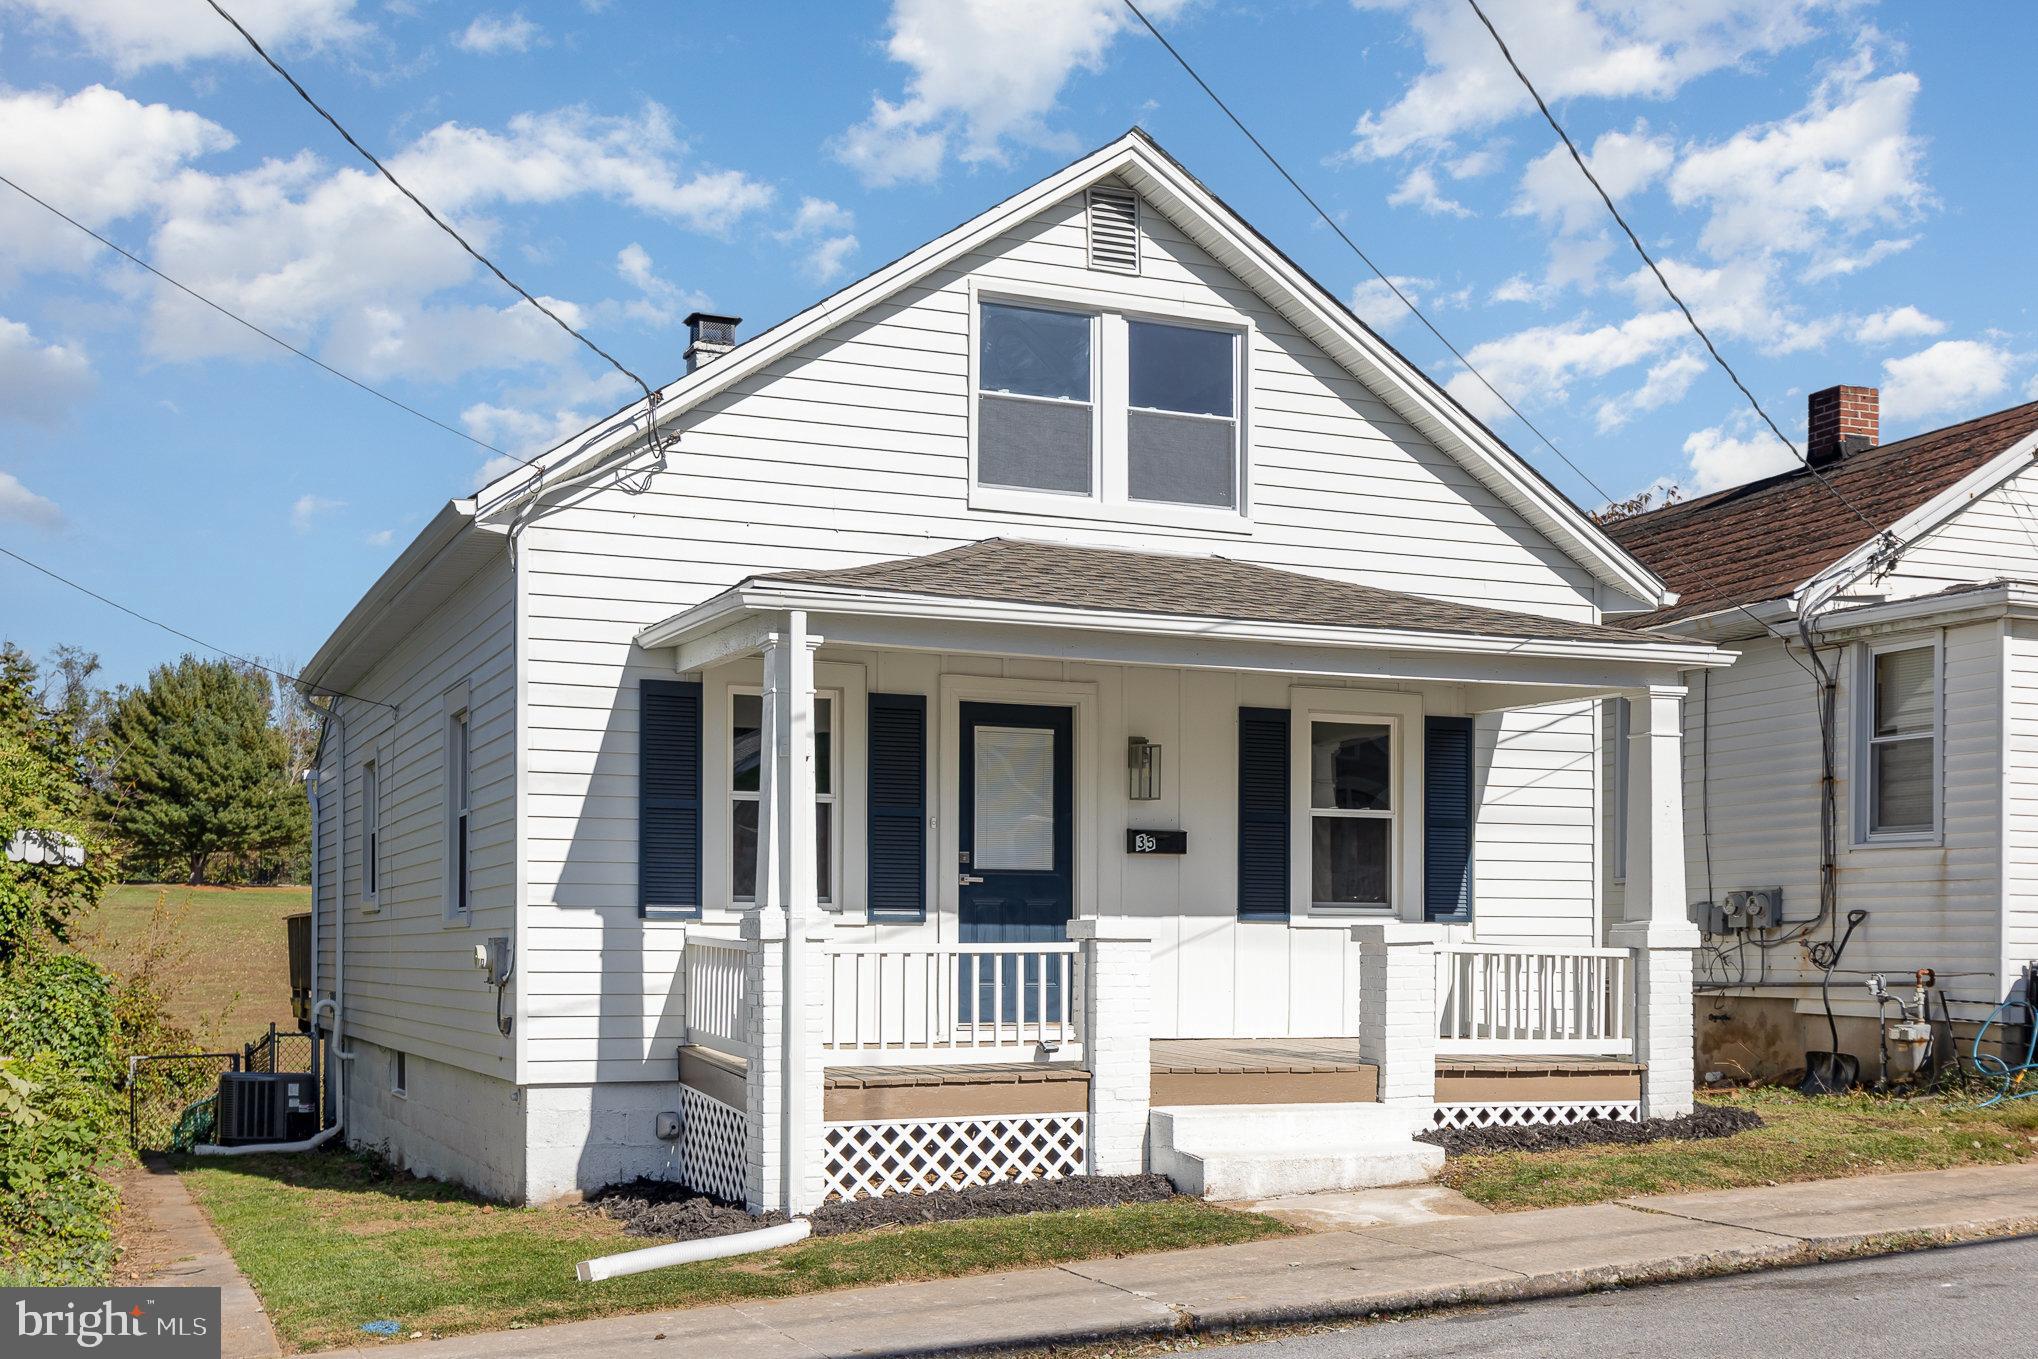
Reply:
x=689, y=1252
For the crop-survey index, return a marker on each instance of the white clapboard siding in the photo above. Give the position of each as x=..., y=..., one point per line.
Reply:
x=2020, y=801
x=1931, y=905
x=1993, y=537
x=411, y=983
x=855, y=450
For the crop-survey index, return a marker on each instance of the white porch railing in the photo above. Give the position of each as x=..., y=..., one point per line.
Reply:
x=717, y=995
x=1495, y=998
x=951, y=1003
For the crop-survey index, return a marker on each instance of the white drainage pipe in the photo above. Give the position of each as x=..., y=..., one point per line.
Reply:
x=689, y=1252
x=269, y=1148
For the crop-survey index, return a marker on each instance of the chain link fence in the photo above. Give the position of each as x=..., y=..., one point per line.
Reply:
x=170, y=1096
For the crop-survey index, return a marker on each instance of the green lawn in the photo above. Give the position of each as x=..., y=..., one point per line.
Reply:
x=1803, y=1139
x=226, y=968
x=333, y=1241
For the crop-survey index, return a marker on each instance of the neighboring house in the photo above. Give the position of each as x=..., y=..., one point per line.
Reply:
x=1912, y=568
x=1055, y=706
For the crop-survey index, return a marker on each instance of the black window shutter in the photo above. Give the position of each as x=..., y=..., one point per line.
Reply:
x=1447, y=819
x=1263, y=829
x=897, y=839
x=669, y=799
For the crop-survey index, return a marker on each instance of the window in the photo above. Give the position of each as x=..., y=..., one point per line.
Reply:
x=1181, y=432
x=399, y=1075
x=459, y=783
x=1351, y=812
x=1900, y=742
x=1035, y=423
x=746, y=727
x=1108, y=409
x=371, y=834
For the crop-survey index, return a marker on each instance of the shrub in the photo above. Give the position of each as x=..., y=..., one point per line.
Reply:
x=60, y=1004
x=59, y=1133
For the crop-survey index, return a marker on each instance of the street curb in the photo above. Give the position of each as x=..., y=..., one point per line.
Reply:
x=1272, y=1322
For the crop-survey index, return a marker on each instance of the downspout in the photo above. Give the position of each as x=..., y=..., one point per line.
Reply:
x=336, y=1060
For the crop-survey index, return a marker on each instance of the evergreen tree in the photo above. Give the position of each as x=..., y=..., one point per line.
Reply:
x=201, y=770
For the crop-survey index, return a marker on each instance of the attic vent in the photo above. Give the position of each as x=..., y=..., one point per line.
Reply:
x=1114, y=230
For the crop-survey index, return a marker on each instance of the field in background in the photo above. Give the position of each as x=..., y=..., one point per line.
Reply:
x=226, y=968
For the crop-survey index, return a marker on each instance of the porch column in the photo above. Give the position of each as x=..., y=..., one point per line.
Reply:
x=1117, y=1021
x=1658, y=928
x=784, y=1077
x=1398, y=1007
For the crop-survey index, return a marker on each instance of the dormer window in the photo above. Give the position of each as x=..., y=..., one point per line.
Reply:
x=1096, y=412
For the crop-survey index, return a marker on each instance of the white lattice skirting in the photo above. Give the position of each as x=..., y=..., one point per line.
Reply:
x=1536, y=1113
x=711, y=1150
x=915, y=1156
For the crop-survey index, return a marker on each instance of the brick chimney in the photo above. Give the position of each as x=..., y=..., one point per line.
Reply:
x=1841, y=420
x=709, y=337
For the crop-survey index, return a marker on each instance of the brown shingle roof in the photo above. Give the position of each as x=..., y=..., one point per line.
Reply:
x=1059, y=576
x=1763, y=540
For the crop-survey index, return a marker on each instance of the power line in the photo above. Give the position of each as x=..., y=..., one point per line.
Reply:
x=179, y=632
x=1636, y=241
x=423, y=207
x=191, y=292
x=1379, y=273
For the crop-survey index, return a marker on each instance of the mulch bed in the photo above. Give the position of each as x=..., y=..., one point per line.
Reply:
x=671, y=1212
x=1708, y=1120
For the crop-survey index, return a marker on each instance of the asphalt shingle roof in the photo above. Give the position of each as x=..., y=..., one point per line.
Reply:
x=1763, y=540
x=1057, y=575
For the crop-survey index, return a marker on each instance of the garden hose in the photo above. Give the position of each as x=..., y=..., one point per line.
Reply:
x=1994, y=1068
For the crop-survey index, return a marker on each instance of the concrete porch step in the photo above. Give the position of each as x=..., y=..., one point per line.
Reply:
x=1259, y=1151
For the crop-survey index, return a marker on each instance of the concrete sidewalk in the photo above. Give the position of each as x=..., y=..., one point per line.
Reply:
x=1324, y=1276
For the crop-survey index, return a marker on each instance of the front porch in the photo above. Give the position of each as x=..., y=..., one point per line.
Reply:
x=994, y=951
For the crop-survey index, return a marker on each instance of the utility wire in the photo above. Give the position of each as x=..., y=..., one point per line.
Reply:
x=1641, y=250
x=1342, y=235
x=179, y=632
x=425, y=208
x=191, y=292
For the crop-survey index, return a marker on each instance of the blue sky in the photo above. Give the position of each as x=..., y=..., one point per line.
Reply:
x=1840, y=189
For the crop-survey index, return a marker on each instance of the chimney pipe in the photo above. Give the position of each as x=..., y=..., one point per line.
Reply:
x=708, y=337
x=1839, y=421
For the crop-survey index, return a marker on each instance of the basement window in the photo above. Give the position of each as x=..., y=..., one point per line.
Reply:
x=399, y=1075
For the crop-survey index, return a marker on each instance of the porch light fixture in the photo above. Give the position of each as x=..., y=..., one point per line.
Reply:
x=1143, y=762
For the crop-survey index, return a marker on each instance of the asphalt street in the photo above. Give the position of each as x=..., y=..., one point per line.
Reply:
x=1965, y=1301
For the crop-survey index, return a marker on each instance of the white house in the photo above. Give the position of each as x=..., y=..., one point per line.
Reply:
x=1074, y=700
x=1897, y=646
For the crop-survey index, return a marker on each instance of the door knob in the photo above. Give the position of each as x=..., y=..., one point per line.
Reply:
x=969, y=880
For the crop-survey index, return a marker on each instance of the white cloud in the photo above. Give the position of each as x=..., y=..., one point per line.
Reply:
x=982, y=73
x=1573, y=49
x=380, y=538
x=660, y=302
x=1839, y=263
x=827, y=229
x=1720, y=457
x=1541, y=364
x=490, y=34
x=306, y=509
x=97, y=155
x=828, y=260
x=19, y=505
x=1896, y=323
x=1950, y=377
x=1846, y=162
x=1418, y=188
x=818, y=215
x=1555, y=193
x=40, y=383
x=1665, y=384
x=1379, y=308
x=133, y=34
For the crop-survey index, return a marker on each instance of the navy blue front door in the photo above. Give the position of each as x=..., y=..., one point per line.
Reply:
x=1017, y=842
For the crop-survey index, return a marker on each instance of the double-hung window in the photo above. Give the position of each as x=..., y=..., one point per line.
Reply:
x=746, y=732
x=1351, y=812
x=459, y=785
x=1035, y=417
x=1100, y=409
x=1899, y=742
x=1181, y=438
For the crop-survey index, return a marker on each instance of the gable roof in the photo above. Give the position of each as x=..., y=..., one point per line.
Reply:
x=1205, y=219
x=1765, y=540
x=1100, y=579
